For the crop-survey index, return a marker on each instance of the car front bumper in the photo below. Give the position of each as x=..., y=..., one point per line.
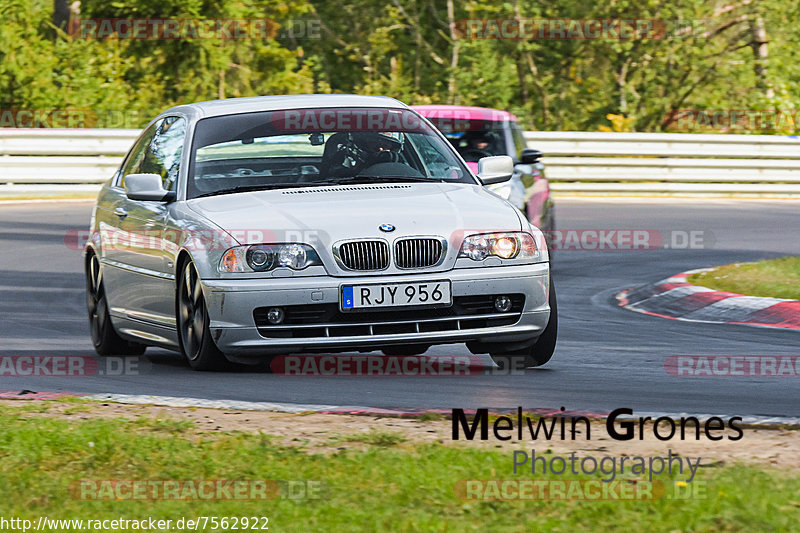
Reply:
x=231, y=304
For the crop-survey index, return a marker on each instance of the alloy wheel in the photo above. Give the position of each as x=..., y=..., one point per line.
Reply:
x=96, y=300
x=192, y=312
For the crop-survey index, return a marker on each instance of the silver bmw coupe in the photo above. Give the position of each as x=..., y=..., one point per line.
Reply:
x=238, y=229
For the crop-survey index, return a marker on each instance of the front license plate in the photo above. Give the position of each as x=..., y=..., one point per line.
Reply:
x=396, y=295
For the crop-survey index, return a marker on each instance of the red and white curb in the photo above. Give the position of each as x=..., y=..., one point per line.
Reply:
x=296, y=408
x=678, y=299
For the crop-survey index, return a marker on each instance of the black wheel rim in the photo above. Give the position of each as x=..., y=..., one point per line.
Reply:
x=192, y=312
x=96, y=300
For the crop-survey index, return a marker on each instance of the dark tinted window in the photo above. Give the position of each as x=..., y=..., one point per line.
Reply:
x=475, y=139
x=163, y=156
x=159, y=152
x=136, y=155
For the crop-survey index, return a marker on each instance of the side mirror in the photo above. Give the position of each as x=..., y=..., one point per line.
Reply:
x=530, y=156
x=495, y=169
x=147, y=188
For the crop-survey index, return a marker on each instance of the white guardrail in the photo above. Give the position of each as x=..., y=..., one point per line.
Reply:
x=677, y=163
x=65, y=161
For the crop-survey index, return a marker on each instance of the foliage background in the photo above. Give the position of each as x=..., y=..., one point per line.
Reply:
x=736, y=55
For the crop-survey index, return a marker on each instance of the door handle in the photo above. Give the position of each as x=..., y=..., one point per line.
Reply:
x=120, y=212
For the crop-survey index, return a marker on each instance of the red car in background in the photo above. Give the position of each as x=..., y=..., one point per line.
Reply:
x=478, y=132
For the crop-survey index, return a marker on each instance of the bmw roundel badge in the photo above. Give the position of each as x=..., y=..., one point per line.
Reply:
x=386, y=228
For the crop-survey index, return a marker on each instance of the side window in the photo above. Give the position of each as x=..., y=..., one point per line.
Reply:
x=519, y=139
x=163, y=156
x=136, y=155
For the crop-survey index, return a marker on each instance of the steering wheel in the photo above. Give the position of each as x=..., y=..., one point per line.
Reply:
x=474, y=154
x=341, y=156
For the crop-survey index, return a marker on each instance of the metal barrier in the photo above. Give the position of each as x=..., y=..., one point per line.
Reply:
x=39, y=160
x=621, y=163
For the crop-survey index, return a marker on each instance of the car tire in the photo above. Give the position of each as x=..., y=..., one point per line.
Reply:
x=194, y=335
x=541, y=351
x=105, y=339
x=405, y=349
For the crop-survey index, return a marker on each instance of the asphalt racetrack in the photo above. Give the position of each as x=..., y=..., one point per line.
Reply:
x=606, y=357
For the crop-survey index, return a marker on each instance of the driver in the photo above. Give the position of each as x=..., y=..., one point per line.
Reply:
x=381, y=147
x=478, y=144
x=347, y=154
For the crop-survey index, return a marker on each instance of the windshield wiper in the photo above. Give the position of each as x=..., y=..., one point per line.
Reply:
x=403, y=178
x=245, y=188
x=371, y=179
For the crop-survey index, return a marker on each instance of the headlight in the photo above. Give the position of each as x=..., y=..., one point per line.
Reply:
x=266, y=257
x=504, y=245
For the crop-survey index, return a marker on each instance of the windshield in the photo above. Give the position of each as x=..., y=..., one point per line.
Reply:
x=326, y=146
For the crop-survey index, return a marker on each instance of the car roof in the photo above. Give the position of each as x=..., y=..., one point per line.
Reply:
x=232, y=106
x=463, y=112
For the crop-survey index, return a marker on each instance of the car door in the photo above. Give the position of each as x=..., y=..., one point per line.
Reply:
x=531, y=177
x=146, y=287
x=116, y=230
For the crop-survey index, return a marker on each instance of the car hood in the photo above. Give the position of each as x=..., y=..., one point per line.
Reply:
x=326, y=215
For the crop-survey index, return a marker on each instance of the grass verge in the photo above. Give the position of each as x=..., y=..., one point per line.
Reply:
x=391, y=485
x=776, y=278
